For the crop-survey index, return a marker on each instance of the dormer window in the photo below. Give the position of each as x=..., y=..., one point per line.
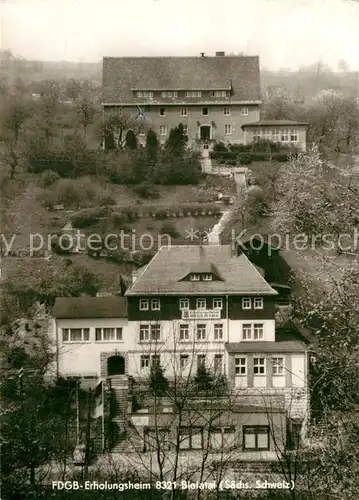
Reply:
x=145, y=93
x=195, y=277
x=207, y=277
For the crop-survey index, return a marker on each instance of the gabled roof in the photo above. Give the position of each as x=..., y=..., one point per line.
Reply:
x=165, y=272
x=262, y=347
x=122, y=75
x=90, y=307
x=273, y=123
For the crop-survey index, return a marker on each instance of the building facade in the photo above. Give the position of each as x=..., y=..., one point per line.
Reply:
x=189, y=307
x=286, y=132
x=211, y=96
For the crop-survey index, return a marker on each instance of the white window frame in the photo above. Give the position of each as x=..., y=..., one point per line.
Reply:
x=284, y=135
x=244, y=111
x=155, y=305
x=267, y=134
x=201, y=332
x=256, y=134
x=218, y=369
x=144, y=305
x=183, y=304
x=218, y=303
x=101, y=332
x=184, y=112
x=85, y=332
x=218, y=331
x=278, y=366
x=145, y=93
x=258, y=303
x=258, y=331
x=156, y=328
x=164, y=111
x=257, y=364
x=247, y=331
x=163, y=130
x=275, y=135
x=207, y=277
x=184, y=328
x=203, y=113
x=201, y=360
x=227, y=111
x=227, y=129
x=145, y=332
x=194, y=93
x=246, y=303
x=294, y=133
x=145, y=361
x=201, y=301
x=169, y=93
x=183, y=357
x=240, y=366
x=195, y=277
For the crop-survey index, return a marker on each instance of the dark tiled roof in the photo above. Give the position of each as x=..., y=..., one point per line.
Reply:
x=122, y=75
x=164, y=273
x=259, y=347
x=272, y=123
x=90, y=307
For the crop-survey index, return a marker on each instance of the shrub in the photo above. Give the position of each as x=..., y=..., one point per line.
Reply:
x=161, y=213
x=244, y=159
x=48, y=177
x=131, y=213
x=86, y=218
x=146, y=190
x=203, y=379
x=170, y=229
x=158, y=383
x=119, y=219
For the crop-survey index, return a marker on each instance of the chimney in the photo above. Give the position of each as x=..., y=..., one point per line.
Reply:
x=202, y=54
x=220, y=54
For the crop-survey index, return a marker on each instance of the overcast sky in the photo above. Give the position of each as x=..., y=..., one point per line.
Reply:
x=285, y=33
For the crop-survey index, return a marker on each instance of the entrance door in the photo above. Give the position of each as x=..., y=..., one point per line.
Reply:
x=205, y=133
x=115, y=365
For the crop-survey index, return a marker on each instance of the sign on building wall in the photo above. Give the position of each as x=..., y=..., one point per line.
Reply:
x=194, y=314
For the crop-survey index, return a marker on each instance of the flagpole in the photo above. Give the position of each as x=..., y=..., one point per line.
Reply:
x=77, y=415
x=103, y=414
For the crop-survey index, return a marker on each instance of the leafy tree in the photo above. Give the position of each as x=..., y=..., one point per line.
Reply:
x=203, y=379
x=176, y=143
x=115, y=126
x=131, y=141
x=152, y=145
x=157, y=382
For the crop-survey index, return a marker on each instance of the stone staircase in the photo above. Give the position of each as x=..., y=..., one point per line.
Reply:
x=120, y=386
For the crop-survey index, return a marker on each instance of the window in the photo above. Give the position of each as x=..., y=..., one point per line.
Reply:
x=258, y=303
x=201, y=360
x=219, y=93
x=228, y=129
x=285, y=135
x=246, y=303
x=222, y=438
x=184, y=360
x=108, y=334
x=240, y=366
x=278, y=366
x=194, y=93
x=258, y=331
x=207, y=277
x=155, y=332
x=144, y=304
x=184, y=304
x=169, y=94
x=75, y=334
x=162, y=112
x=205, y=111
x=247, y=331
x=259, y=366
x=256, y=135
x=155, y=304
x=184, y=112
x=144, y=333
x=256, y=437
x=163, y=130
x=141, y=130
x=294, y=135
x=195, y=277
x=185, y=129
x=217, y=303
x=227, y=111
x=145, y=361
x=144, y=94
x=218, y=363
x=244, y=111
x=201, y=304
x=218, y=331
x=201, y=332
x=156, y=359
x=275, y=135
x=191, y=438
x=184, y=332
x=267, y=134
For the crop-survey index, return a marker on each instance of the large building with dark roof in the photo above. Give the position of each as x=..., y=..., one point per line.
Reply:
x=212, y=96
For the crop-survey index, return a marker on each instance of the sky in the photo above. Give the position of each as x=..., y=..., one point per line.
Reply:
x=284, y=33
